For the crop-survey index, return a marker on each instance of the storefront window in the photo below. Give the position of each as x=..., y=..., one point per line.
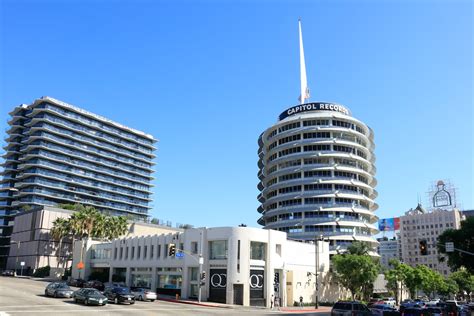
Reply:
x=141, y=280
x=194, y=290
x=218, y=249
x=194, y=274
x=169, y=281
x=257, y=250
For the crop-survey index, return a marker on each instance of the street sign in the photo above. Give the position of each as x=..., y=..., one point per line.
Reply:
x=179, y=254
x=22, y=263
x=449, y=247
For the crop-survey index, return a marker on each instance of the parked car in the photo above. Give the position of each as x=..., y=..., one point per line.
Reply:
x=347, y=308
x=76, y=282
x=390, y=301
x=10, y=273
x=383, y=310
x=119, y=295
x=90, y=296
x=144, y=294
x=95, y=285
x=435, y=311
x=413, y=311
x=374, y=301
x=58, y=289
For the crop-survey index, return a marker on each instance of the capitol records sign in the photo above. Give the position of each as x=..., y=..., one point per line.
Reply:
x=314, y=106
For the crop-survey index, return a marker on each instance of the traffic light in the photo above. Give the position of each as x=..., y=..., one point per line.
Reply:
x=172, y=250
x=203, y=278
x=423, y=248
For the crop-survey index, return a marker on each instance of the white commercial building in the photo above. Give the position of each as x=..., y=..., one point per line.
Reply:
x=387, y=249
x=242, y=265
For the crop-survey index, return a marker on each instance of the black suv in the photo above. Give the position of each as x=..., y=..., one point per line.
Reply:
x=95, y=285
x=345, y=308
x=119, y=295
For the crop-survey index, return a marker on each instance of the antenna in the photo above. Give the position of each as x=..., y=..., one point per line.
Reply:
x=304, y=83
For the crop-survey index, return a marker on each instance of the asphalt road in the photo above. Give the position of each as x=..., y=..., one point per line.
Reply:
x=19, y=296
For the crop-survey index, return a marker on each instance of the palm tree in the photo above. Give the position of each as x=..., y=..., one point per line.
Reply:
x=61, y=229
x=86, y=222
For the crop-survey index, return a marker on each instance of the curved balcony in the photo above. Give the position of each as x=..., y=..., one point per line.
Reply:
x=72, y=116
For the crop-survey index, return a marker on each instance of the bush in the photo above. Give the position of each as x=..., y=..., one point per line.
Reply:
x=42, y=272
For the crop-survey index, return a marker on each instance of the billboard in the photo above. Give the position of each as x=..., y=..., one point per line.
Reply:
x=389, y=224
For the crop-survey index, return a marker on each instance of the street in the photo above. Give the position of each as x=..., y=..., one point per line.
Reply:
x=22, y=296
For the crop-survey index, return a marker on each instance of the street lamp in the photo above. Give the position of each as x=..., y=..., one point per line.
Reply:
x=18, y=243
x=316, y=240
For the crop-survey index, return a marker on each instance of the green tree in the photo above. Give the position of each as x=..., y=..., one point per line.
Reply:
x=431, y=281
x=464, y=281
x=61, y=229
x=359, y=248
x=355, y=272
x=448, y=288
x=396, y=277
x=412, y=280
x=463, y=239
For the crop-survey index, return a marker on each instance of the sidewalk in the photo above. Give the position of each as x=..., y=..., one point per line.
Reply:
x=192, y=302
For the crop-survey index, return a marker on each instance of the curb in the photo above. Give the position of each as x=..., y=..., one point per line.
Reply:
x=304, y=310
x=191, y=303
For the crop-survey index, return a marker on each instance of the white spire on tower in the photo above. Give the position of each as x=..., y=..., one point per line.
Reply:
x=304, y=83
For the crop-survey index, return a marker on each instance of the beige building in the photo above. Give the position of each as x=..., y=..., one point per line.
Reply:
x=31, y=242
x=418, y=225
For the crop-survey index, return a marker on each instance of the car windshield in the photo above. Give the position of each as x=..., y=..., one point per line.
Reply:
x=93, y=292
x=123, y=290
x=346, y=306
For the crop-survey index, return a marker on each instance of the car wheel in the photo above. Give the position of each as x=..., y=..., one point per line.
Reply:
x=75, y=300
x=86, y=302
x=45, y=293
x=56, y=294
x=131, y=303
x=116, y=301
x=152, y=300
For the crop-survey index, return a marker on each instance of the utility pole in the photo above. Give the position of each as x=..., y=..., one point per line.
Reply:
x=316, y=303
x=201, y=261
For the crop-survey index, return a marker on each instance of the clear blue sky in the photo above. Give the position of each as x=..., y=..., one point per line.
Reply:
x=207, y=77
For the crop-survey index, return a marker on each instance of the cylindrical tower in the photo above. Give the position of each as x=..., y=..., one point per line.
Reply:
x=317, y=175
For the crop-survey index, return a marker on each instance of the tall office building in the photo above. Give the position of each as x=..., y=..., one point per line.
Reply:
x=317, y=175
x=419, y=228
x=58, y=153
x=317, y=172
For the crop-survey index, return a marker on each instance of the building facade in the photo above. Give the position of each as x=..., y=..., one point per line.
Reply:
x=32, y=243
x=387, y=249
x=418, y=226
x=242, y=265
x=317, y=176
x=58, y=153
